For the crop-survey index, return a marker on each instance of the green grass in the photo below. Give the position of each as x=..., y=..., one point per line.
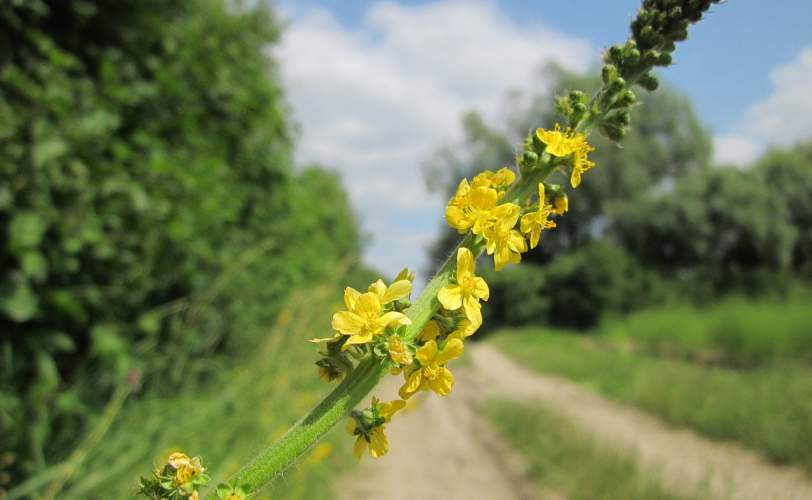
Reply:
x=769, y=410
x=230, y=419
x=736, y=332
x=565, y=459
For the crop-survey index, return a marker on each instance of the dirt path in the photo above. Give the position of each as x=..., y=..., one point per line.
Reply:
x=443, y=449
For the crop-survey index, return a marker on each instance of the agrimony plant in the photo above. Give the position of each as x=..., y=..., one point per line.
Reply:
x=503, y=214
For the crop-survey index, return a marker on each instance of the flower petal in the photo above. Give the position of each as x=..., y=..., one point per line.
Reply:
x=430, y=331
x=481, y=289
x=465, y=264
x=378, y=288
x=347, y=322
x=450, y=296
x=350, y=296
x=411, y=385
x=473, y=309
x=359, y=448
x=396, y=291
x=452, y=349
x=427, y=353
x=368, y=303
x=393, y=318
x=443, y=383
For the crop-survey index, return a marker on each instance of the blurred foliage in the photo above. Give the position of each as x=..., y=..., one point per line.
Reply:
x=736, y=332
x=766, y=409
x=653, y=221
x=150, y=219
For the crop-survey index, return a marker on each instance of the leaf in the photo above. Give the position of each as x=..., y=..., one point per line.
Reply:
x=25, y=230
x=20, y=303
x=34, y=265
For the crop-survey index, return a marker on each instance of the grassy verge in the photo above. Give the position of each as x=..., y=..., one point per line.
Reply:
x=230, y=419
x=735, y=332
x=565, y=459
x=769, y=410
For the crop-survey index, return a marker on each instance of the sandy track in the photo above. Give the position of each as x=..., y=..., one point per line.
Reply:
x=443, y=449
x=684, y=459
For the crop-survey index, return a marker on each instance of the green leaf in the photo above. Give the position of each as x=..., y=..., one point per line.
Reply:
x=25, y=230
x=20, y=303
x=34, y=265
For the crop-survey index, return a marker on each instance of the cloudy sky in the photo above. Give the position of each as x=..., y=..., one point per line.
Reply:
x=377, y=85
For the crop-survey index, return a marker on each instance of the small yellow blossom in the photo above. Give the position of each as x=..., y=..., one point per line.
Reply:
x=499, y=180
x=581, y=163
x=468, y=289
x=534, y=222
x=194, y=496
x=558, y=143
x=432, y=373
x=502, y=240
x=364, y=317
x=561, y=204
x=398, y=352
x=186, y=468
x=471, y=208
x=374, y=438
x=566, y=143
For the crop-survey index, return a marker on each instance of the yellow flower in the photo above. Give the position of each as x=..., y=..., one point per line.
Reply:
x=561, y=204
x=471, y=207
x=186, y=468
x=502, y=241
x=464, y=330
x=535, y=222
x=468, y=289
x=432, y=373
x=398, y=352
x=581, y=163
x=194, y=495
x=503, y=178
x=374, y=438
x=364, y=317
x=565, y=143
x=558, y=143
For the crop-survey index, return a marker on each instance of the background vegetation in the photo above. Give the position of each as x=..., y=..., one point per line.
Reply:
x=151, y=222
x=656, y=223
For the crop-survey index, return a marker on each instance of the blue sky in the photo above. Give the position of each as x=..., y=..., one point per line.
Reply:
x=376, y=85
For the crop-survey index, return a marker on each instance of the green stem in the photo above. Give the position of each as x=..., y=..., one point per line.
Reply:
x=274, y=460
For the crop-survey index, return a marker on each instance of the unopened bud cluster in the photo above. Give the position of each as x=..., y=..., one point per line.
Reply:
x=656, y=29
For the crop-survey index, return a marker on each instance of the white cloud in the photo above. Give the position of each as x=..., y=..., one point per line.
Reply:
x=782, y=118
x=733, y=149
x=373, y=101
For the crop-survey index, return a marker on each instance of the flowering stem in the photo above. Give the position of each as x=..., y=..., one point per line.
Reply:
x=274, y=460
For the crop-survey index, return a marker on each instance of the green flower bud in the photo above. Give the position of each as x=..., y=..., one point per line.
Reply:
x=614, y=54
x=626, y=99
x=664, y=60
x=651, y=57
x=649, y=82
x=612, y=131
x=617, y=85
x=577, y=96
x=609, y=73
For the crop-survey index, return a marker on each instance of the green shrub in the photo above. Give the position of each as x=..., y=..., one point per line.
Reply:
x=148, y=214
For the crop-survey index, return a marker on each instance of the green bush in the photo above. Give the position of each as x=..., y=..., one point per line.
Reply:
x=149, y=217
